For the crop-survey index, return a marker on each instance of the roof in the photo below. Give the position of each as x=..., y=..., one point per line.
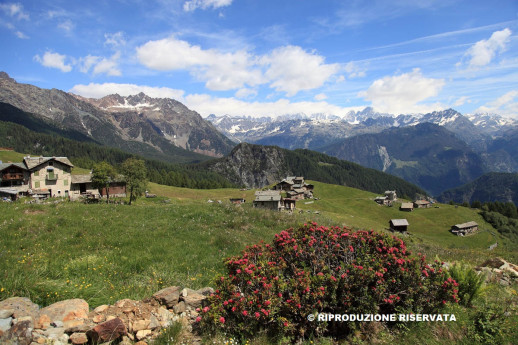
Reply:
x=381, y=198
x=399, y=222
x=267, y=193
x=81, y=178
x=284, y=181
x=421, y=202
x=407, y=205
x=268, y=198
x=7, y=165
x=389, y=191
x=32, y=162
x=466, y=225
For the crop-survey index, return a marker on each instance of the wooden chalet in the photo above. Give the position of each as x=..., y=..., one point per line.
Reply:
x=400, y=225
x=464, y=228
x=407, y=206
x=270, y=199
x=422, y=204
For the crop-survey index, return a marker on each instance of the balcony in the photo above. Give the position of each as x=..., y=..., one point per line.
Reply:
x=51, y=177
x=12, y=176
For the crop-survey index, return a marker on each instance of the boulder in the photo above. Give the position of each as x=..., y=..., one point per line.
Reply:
x=107, y=331
x=5, y=313
x=78, y=338
x=21, y=306
x=168, y=296
x=194, y=300
x=67, y=310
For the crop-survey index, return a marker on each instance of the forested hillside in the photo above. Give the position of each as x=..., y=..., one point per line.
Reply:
x=86, y=154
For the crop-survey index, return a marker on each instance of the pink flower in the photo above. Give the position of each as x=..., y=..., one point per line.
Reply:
x=245, y=313
x=206, y=309
x=198, y=319
x=222, y=319
x=257, y=315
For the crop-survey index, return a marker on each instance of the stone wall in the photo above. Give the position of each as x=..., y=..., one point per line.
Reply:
x=72, y=322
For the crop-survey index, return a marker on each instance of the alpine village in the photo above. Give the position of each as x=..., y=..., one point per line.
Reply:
x=165, y=183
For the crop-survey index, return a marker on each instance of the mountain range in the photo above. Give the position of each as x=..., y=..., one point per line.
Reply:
x=437, y=151
x=159, y=128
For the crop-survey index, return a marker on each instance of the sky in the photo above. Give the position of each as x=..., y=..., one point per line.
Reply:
x=270, y=58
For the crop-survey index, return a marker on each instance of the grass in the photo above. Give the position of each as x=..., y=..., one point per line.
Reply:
x=103, y=253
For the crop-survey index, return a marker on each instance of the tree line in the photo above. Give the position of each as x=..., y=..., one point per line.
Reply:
x=86, y=155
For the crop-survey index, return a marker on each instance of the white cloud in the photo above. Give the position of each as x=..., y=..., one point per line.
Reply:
x=115, y=39
x=14, y=10
x=87, y=62
x=246, y=93
x=108, y=66
x=402, y=93
x=67, y=26
x=291, y=69
x=95, y=90
x=287, y=69
x=354, y=70
x=221, y=71
x=482, y=52
x=505, y=105
x=21, y=35
x=320, y=97
x=206, y=105
x=461, y=101
x=192, y=5
x=54, y=60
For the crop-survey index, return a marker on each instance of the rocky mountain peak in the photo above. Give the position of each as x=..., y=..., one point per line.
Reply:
x=4, y=75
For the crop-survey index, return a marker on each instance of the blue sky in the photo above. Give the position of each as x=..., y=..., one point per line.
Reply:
x=262, y=57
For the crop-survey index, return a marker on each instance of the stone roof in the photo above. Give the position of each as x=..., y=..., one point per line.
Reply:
x=32, y=162
x=407, y=205
x=421, y=202
x=466, y=225
x=7, y=165
x=399, y=222
x=87, y=178
x=268, y=197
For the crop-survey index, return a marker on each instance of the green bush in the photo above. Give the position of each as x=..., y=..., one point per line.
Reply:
x=273, y=287
x=471, y=283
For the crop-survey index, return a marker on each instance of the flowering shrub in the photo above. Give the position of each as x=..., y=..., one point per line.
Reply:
x=315, y=269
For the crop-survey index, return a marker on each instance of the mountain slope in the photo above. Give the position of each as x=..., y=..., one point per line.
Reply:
x=160, y=128
x=488, y=187
x=257, y=166
x=426, y=154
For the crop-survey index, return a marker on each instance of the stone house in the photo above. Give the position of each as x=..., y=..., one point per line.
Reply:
x=407, y=206
x=464, y=228
x=295, y=188
x=400, y=225
x=82, y=186
x=270, y=199
x=391, y=195
x=422, y=204
x=49, y=176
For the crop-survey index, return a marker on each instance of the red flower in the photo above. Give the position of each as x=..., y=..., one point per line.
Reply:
x=198, y=319
x=245, y=313
x=222, y=319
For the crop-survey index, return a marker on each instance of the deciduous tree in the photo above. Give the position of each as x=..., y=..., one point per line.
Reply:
x=135, y=175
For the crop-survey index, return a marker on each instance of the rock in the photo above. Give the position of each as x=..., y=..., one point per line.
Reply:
x=110, y=317
x=141, y=343
x=101, y=308
x=20, y=333
x=67, y=310
x=75, y=325
x=143, y=333
x=43, y=322
x=5, y=324
x=21, y=306
x=107, y=331
x=57, y=324
x=179, y=308
x=168, y=296
x=5, y=313
x=153, y=322
x=206, y=291
x=187, y=291
x=139, y=325
x=78, y=338
x=99, y=318
x=194, y=300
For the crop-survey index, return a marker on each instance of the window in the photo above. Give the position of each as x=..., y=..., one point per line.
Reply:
x=37, y=184
x=65, y=182
x=37, y=173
